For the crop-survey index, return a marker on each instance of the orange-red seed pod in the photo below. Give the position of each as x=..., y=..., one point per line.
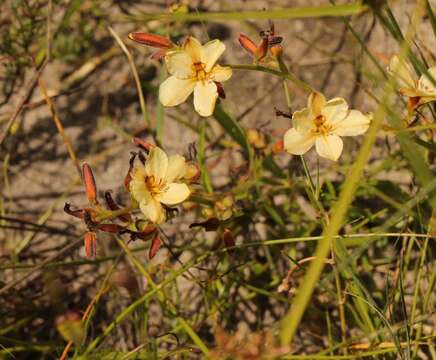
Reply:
x=91, y=245
x=152, y=40
x=247, y=44
x=89, y=181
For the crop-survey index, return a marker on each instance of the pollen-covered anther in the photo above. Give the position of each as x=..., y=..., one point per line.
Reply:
x=320, y=125
x=200, y=71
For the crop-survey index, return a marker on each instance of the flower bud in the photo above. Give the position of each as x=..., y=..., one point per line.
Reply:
x=89, y=181
x=152, y=40
x=91, y=245
x=192, y=172
x=278, y=147
x=247, y=44
x=71, y=327
x=256, y=138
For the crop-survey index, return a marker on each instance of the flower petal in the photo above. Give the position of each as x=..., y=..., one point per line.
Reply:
x=296, y=143
x=156, y=164
x=137, y=185
x=335, y=110
x=212, y=50
x=425, y=85
x=316, y=102
x=176, y=168
x=354, y=124
x=402, y=72
x=329, y=146
x=175, y=193
x=205, y=95
x=174, y=91
x=303, y=120
x=221, y=73
x=194, y=49
x=179, y=63
x=153, y=211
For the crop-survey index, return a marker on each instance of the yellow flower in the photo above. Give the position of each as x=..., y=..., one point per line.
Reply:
x=321, y=124
x=422, y=90
x=155, y=183
x=193, y=69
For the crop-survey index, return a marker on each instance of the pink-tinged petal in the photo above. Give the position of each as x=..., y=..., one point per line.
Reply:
x=205, y=95
x=316, y=102
x=153, y=211
x=212, y=50
x=174, y=91
x=335, y=110
x=425, y=85
x=156, y=164
x=179, y=64
x=221, y=73
x=174, y=193
x=329, y=146
x=296, y=143
x=194, y=49
x=354, y=124
x=176, y=168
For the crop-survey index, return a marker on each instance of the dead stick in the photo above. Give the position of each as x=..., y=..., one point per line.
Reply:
x=59, y=125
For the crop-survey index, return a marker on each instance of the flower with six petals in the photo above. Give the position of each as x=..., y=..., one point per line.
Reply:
x=419, y=91
x=193, y=69
x=322, y=124
x=156, y=182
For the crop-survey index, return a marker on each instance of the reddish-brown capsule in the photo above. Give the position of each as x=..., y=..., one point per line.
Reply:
x=229, y=240
x=91, y=245
x=114, y=206
x=89, y=181
x=154, y=247
x=210, y=224
x=144, y=145
x=111, y=228
x=152, y=40
x=247, y=44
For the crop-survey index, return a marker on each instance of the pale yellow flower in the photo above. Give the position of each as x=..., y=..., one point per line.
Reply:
x=193, y=69
x=422, y=90
x=321, y=124
x=155, y=183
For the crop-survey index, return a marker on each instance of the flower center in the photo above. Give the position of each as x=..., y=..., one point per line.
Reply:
x=320, y=126
x=153, y=186
x=200, y=72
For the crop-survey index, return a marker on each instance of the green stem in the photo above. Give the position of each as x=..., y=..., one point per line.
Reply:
x=288, y=76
